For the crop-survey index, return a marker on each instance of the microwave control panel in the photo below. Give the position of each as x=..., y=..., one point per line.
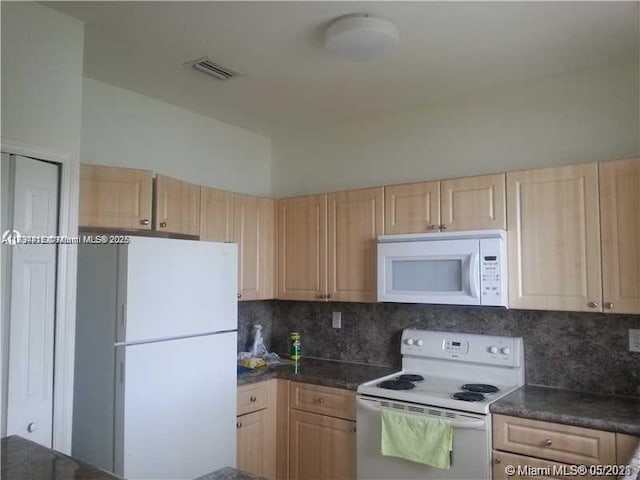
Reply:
x=493, y=260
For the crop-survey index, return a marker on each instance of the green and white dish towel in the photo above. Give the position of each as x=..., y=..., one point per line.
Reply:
x=417, y=438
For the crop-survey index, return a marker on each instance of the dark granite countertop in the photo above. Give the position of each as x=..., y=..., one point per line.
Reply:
x=590, y=410
x=23, y=459
x=229, y=473
x=329, y=373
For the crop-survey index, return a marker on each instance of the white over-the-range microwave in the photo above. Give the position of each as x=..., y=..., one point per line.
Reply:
x=455, y=268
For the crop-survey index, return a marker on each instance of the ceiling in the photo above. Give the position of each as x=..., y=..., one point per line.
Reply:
x=446, y=49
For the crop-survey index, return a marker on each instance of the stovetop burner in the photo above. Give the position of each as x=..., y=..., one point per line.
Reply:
x=479, y=388
x=396, y=385
x=410, y=377
x=468, y=396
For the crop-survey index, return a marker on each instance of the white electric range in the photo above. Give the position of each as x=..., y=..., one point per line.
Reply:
x=444, y=375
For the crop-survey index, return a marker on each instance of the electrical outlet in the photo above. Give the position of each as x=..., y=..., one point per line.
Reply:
x=634, y=340
x=336, y=320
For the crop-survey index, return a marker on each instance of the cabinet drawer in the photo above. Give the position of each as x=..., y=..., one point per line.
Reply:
x=253, y=397
x=553, y=441
x=335, y=402
x=537, y=469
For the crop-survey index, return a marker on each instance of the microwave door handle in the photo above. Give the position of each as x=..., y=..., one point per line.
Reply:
x=474, y=276
x=461, y=424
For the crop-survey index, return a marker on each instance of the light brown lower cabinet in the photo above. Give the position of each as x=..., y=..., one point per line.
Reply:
x=625, y=447
x=256, y=428
x=526, y=448
x=293, y=430
x=255, y=444
x=321, y=447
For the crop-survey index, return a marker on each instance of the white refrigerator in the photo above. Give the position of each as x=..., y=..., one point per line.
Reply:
x=155, y=364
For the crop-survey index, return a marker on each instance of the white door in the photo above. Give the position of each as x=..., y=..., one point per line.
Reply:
x=32, y=302
x=177, y=414
x=176, y=288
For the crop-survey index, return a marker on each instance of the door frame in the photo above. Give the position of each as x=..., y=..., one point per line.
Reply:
x=65, y=317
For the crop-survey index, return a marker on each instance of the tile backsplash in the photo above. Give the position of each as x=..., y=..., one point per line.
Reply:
x=573, y=350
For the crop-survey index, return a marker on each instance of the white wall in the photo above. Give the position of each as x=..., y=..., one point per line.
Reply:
x=582, y=117
x=126, y=129
x=41, y=77
x=42, y=55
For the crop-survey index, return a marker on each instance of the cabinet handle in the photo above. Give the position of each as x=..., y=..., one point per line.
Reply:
x=320, y=400
x=328, y=295
x=145, y=222
x=252, y=399
x=32, y=427
x=239, y=295
x=498, y=460
x=322, y=297
x=433, y=227
x=593, y=304
x=443, y=227
x=608, y=305
x=548, y=442
x=163, y=224
x=238, y=424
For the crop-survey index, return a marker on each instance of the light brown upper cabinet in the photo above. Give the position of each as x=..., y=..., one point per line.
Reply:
x=473, y=203
x=470, y=203
x=112, y=197
x=554, y=239
x=620, y=218
x=355, y=218
x=412, y=207
x=254, y=232
x=302, y=248
x=177, y=206
x=216, y=215
x=327, y=246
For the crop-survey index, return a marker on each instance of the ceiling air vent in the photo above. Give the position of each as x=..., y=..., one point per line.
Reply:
x=208, y=66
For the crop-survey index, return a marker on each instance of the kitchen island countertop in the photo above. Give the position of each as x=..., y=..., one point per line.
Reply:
x=589, y=410
x=330, y=373
x=23, y=459
x=230, y=473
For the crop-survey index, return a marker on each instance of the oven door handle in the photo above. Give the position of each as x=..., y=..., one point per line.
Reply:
x=479, y=424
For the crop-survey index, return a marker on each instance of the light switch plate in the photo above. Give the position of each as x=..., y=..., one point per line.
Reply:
x=336, y=320
x=634, y=340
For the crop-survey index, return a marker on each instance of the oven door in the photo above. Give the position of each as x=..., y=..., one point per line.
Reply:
x=442, y=271
x=470, y=457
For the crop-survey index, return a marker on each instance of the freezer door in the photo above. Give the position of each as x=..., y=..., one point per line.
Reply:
x=177, y=414
x=175, y=288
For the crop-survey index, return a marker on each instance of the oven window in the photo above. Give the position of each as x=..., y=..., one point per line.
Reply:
x=427, y=275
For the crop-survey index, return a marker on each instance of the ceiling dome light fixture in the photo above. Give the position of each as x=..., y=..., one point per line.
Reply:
x=359, y=37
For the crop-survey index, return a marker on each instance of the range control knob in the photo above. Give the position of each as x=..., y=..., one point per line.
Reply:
x=409, y=341
x=493, y=349
x=505, y=350
x=419, y=343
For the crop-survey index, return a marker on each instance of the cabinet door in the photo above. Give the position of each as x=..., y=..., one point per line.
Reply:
x=216, y=215
x=254, y=220
x=302, y=248
x=412, y=208
x=321, y=447
x=177, y=206
x=620, y=217
x=354, y=221
x=113, y=197
x=256, y=444
x=473, y=203
x=554, y=239
x=625, y=447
